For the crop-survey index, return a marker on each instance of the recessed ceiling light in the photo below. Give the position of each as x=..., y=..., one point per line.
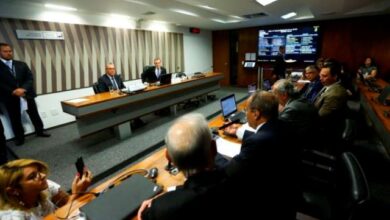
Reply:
x=120, y=16
x=60, y=7
x=265, y=2
x=185, y=12
x=289, y=15
x=208, y=7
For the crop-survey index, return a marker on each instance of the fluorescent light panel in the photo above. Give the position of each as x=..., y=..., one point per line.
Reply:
x=60, y=7
x=208, y=7
x=289, y=15
x=265, y=2
x=185, y=12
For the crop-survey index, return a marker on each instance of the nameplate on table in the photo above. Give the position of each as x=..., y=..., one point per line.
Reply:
x=77, y=100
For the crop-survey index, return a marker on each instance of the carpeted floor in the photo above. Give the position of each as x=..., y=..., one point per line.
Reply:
x=103, y=153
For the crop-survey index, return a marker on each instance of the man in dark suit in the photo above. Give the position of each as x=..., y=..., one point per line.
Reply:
x=110, y=80
x=191, y=149
x=263, y=154
x=16, y=83
x=153, y=74
x=279, y=71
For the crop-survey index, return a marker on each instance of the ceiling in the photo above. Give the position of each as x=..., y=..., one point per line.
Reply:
x=226, y=14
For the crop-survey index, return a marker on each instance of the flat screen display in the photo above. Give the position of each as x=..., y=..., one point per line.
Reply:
x=301, y=44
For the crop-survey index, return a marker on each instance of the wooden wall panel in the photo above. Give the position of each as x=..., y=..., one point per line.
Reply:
x=221, y=60
x=348, y=40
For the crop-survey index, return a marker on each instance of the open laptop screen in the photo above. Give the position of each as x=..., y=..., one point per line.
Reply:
x=228, y=105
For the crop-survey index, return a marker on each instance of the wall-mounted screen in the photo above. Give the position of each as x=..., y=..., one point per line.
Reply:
x=301, y=44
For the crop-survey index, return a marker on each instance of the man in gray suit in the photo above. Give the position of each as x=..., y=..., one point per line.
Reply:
x=297, y=115
x=331, y=102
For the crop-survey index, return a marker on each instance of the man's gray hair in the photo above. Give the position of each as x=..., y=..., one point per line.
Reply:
x=188, y=142
x=285, y=86
x=265, y=102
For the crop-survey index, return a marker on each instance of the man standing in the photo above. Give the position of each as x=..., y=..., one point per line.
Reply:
x=110, y=79
x=16, y=86
x=153, y=74
x=279, y=71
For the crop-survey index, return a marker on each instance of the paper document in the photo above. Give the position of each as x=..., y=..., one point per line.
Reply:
x=227, y=148
x=77, y=100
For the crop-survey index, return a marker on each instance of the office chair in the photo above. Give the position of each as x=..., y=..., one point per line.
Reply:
x=95, y=88
x=143, y=78
x=343, y=197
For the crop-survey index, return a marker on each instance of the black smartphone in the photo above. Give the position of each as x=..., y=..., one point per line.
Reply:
x=80, y=165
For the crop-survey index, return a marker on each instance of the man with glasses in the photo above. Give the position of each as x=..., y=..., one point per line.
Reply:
x=311, y=89
x=110, y=80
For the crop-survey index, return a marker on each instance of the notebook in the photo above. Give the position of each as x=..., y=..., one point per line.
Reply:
x=252, y=88
x=165, y=79
x=229, y=109
x=121, y=201
x=382, y=98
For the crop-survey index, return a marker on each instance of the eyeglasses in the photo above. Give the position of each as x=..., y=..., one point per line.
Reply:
x=35, y=176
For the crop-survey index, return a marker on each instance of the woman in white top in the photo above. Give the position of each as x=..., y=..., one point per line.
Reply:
x=26, y=194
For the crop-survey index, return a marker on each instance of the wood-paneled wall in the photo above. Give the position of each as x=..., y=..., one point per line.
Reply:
x=348, y=40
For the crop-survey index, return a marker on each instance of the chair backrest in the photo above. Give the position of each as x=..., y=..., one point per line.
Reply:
x=352, y=189
x=95, y=88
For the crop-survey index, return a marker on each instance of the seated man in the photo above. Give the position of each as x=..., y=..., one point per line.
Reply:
x=191, y=150
x=153, y=74
x=297, y=115
x=264, y=154
x=110, y=79
x=311, y=89
x=114, y=81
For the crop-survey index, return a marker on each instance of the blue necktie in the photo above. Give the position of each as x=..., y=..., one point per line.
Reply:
x=11, y=69
x=114, y=85
x=158, y=73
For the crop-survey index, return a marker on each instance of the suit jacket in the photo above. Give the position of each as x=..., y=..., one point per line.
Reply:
x=332, y=102
x=264, y=155
x=104, y=82
x=200, y=197
x=299, y=118
x=149, y=75
x=23, y=79
x=310, y=90
x=280, y=66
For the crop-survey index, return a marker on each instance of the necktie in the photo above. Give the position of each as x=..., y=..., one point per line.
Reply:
x=11, y=69
x=158, y=73
x=114, y=85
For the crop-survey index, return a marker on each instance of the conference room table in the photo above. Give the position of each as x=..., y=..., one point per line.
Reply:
x=377, y=113
x=156, y=159
x=96, y=112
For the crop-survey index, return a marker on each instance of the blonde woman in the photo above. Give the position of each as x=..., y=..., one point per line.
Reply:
x=27, y=194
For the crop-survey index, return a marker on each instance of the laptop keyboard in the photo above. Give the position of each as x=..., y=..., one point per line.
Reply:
x=238, y=116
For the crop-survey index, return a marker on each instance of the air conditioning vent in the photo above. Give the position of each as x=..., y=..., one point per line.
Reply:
x=149, y=13
x=256, y=15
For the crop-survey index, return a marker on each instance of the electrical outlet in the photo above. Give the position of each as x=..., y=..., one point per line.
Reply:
x=54, y=112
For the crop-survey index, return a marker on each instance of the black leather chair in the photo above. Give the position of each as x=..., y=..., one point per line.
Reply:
x=144, y=70
x=342, y=196
x=95, y=88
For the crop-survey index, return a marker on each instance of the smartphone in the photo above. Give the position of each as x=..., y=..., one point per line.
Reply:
x=80, y=166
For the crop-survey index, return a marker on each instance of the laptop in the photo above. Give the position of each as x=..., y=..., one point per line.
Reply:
x=229, y=109
x=121, y=201
x=165, y=79
x=382, y=98
x=252, y=88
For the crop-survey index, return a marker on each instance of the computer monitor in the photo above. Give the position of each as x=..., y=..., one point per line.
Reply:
x=249, y=64
x=165, y=79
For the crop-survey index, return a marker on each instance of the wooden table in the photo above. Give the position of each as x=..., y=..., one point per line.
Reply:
x=100, y=111
x=157, y=159
x=375, y=111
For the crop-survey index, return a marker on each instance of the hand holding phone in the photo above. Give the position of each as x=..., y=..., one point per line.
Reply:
x=80, y=166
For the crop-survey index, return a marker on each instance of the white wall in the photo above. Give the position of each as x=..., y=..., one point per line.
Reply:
x=197, y=58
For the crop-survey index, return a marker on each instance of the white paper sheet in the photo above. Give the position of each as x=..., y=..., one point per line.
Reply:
x=227, y=148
